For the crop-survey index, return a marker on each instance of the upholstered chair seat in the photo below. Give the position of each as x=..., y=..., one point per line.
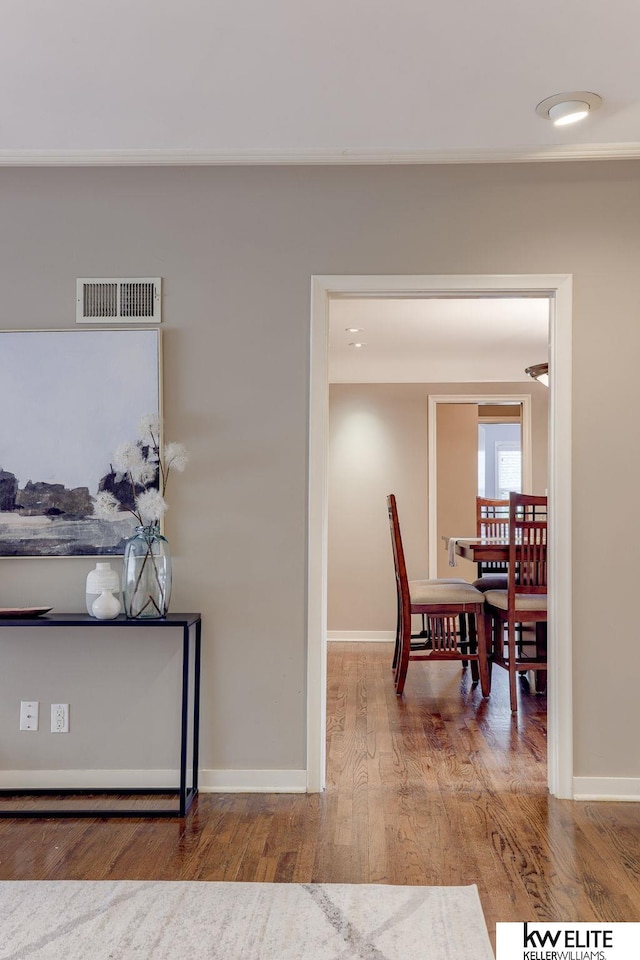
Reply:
x=527, y=601
x=425, y=591
x=417, y=583
x=491, y=581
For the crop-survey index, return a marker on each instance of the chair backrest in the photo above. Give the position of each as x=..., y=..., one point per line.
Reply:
x=396, y=540
x=492, y=517
x=527, y=544
x=402, y=580
x=492, y=520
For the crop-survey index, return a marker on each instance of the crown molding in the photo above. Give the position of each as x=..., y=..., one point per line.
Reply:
x=213, y=158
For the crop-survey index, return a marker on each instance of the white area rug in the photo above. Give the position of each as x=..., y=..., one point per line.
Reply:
x=140, y=920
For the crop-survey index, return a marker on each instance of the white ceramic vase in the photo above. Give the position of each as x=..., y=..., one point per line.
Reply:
x=106, y=606
x=99, y=579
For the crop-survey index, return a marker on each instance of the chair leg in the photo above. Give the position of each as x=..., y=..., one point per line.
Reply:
x=493, y=629
x=474, y=640
x=483, y=663
x=469, y=641
x=511, y=648
x=396, y=652
x=541, y=654
x=489, y=633
x=403, y=655
x=464, y=642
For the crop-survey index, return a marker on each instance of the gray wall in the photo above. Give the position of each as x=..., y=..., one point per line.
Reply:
x=124, y=691
x=378, y=445
x=237, y=247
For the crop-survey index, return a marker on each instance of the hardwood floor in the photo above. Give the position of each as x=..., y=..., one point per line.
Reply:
x=439, y=788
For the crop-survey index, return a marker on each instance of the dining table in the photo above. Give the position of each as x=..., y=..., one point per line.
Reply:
x=478, y=549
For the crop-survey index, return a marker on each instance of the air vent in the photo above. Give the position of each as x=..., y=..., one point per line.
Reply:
x=119, y=300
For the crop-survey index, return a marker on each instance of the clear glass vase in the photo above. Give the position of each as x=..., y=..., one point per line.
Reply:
x=146, y=577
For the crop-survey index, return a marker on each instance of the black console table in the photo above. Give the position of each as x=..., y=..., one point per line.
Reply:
x=190, y=714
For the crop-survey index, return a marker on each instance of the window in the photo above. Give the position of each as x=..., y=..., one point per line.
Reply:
x=508, y=468
x=499, y=459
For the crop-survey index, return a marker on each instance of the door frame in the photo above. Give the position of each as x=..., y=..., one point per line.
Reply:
x=523, y=400
x=558, y=288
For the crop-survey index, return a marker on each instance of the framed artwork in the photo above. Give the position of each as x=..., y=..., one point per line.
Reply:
x=70, y=399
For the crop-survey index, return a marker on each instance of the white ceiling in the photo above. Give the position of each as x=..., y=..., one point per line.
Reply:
x=437, y=341
x=333, y=80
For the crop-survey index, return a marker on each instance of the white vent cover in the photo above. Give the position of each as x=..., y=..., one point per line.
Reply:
x=118, y=300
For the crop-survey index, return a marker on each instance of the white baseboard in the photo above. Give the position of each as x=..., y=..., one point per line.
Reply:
x=606, y=788
x=371, y=636
x=253, y=781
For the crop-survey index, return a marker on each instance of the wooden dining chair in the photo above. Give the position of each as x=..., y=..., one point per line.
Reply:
x=441, y=603
x=525, y=599
x=492, y=521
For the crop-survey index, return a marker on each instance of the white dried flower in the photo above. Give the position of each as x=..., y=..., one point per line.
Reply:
x=128, y=457
x=149, y=427
x=151, y=506
x=143, y=472
x=145, y=466
x=175, y=457
x=105, y=505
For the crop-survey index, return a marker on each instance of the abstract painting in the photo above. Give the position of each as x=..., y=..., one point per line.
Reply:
x=69, y=398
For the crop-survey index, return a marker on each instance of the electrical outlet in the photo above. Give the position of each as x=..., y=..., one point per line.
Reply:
x=29, y=714
x=59, y=718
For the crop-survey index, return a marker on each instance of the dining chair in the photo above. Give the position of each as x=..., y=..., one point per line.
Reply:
x=492, y=521
x=525, y=599
x=442, y=604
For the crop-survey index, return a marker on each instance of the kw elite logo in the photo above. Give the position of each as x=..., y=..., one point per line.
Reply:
x=567, y=941
x=590, y=943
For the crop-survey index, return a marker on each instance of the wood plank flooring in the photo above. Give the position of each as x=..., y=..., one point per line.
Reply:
x=439, y=787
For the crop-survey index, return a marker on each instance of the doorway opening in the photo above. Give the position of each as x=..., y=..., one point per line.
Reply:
x=557, y=289
x=441, y=520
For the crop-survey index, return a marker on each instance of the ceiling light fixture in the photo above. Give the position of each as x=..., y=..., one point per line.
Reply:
x=566, y=108
x=353, y=329
x=357, y=344
x=539, y=372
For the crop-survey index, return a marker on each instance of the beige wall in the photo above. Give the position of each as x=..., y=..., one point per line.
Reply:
x=456, y=480
x=237, y=248
x=378, y=445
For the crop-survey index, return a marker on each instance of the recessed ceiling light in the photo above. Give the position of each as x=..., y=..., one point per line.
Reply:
x=357, y=344
x=353, y=329
x=568, y=112
x=566, y=108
